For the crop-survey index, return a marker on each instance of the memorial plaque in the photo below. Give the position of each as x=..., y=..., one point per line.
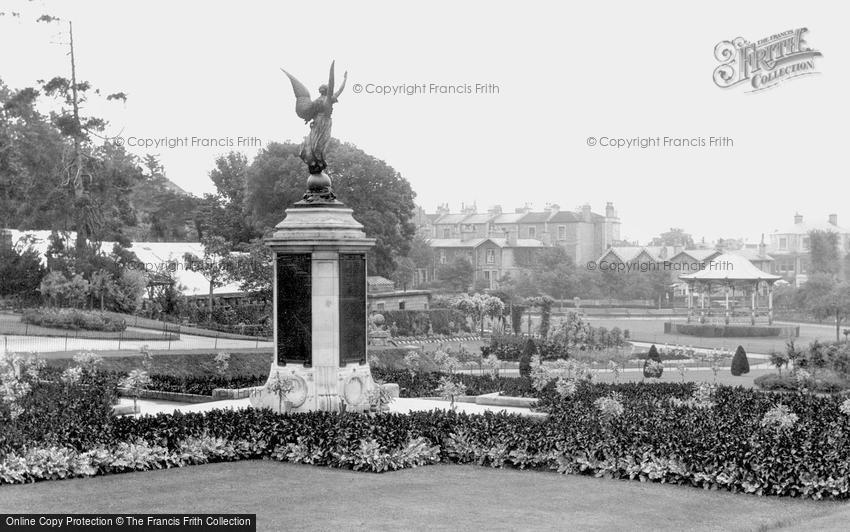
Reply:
x=352, y=308
x=294, y=309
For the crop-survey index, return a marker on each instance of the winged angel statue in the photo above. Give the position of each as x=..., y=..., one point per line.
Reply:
x=318, y=113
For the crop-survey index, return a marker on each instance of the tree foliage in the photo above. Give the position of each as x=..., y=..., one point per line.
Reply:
x=740, y=364
x=381, y=198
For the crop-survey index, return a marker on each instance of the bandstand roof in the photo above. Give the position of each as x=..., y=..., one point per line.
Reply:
x=729, y=267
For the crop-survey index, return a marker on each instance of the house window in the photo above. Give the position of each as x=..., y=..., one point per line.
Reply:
x=783, y=243
x=380, y=306
x=401, y=305
x=562, y=232
x=442, y=256
x=491, y=256
x=447, y=232
x=532, y=232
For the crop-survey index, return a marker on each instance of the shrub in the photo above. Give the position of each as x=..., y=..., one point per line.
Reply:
x=740, y=364
x=651, y=370
x=418, y=322
x=525, y=359
x=73, y=414
x=73, y=319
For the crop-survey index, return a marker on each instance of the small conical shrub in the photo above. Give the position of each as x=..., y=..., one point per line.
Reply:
x=652, y=371
x=525, y=358
x=740, y=364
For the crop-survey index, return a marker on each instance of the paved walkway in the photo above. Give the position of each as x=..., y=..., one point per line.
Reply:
x=46, y=344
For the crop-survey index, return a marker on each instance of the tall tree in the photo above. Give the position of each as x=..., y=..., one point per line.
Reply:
x=676, y=236
x=227, y=207
x=827, y=298
x=381, y=198
x=823, y=246
x=82, y=175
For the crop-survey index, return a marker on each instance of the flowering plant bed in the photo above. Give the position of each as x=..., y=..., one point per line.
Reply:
x=713, y=437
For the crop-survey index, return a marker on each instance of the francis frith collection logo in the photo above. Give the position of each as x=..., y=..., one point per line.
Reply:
x=765, y=63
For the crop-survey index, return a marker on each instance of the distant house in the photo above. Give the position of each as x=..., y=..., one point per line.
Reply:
x=491, y=258
x=381, y=295
x=791, y=251
x=583, y=233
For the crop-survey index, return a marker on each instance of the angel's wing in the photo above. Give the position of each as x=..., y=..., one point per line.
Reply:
x=303, y=102
x=331, y=79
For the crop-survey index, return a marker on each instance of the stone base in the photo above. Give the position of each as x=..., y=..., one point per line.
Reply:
x=325, y=388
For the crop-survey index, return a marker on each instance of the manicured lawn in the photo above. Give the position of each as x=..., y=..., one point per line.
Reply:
x=653, y=331
x=441, y=497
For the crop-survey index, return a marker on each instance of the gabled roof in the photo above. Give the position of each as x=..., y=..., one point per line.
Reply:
x=631, y=253
x=695, y=254
x=624, y=253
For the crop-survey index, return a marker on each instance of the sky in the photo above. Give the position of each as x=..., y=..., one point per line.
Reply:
x=562, y=73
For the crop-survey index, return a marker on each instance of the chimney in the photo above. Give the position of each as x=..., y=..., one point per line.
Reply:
x=5, y=240
x=762, y=247
x=585, y=212
x=610, y=211
x=552, y=208
x=443, y=209
x=468, y=209
x=833, y=219
x=523, y=210
x=495, y=209
x=798, y=218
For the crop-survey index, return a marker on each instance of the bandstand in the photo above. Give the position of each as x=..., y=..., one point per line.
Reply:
x=730, y=290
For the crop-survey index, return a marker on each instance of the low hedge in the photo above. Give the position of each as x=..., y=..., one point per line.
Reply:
x=822, y=382
x=203, y=385
x=729, y=445
x=725, y=331
x=424, y=384
x=73, y=319
x=418, y=322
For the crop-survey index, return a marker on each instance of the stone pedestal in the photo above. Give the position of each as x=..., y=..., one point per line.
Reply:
x=320, y=331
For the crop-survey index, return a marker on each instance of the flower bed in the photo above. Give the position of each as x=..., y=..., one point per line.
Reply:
x=699, y=435
x=740, y=440
x=73, y=319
